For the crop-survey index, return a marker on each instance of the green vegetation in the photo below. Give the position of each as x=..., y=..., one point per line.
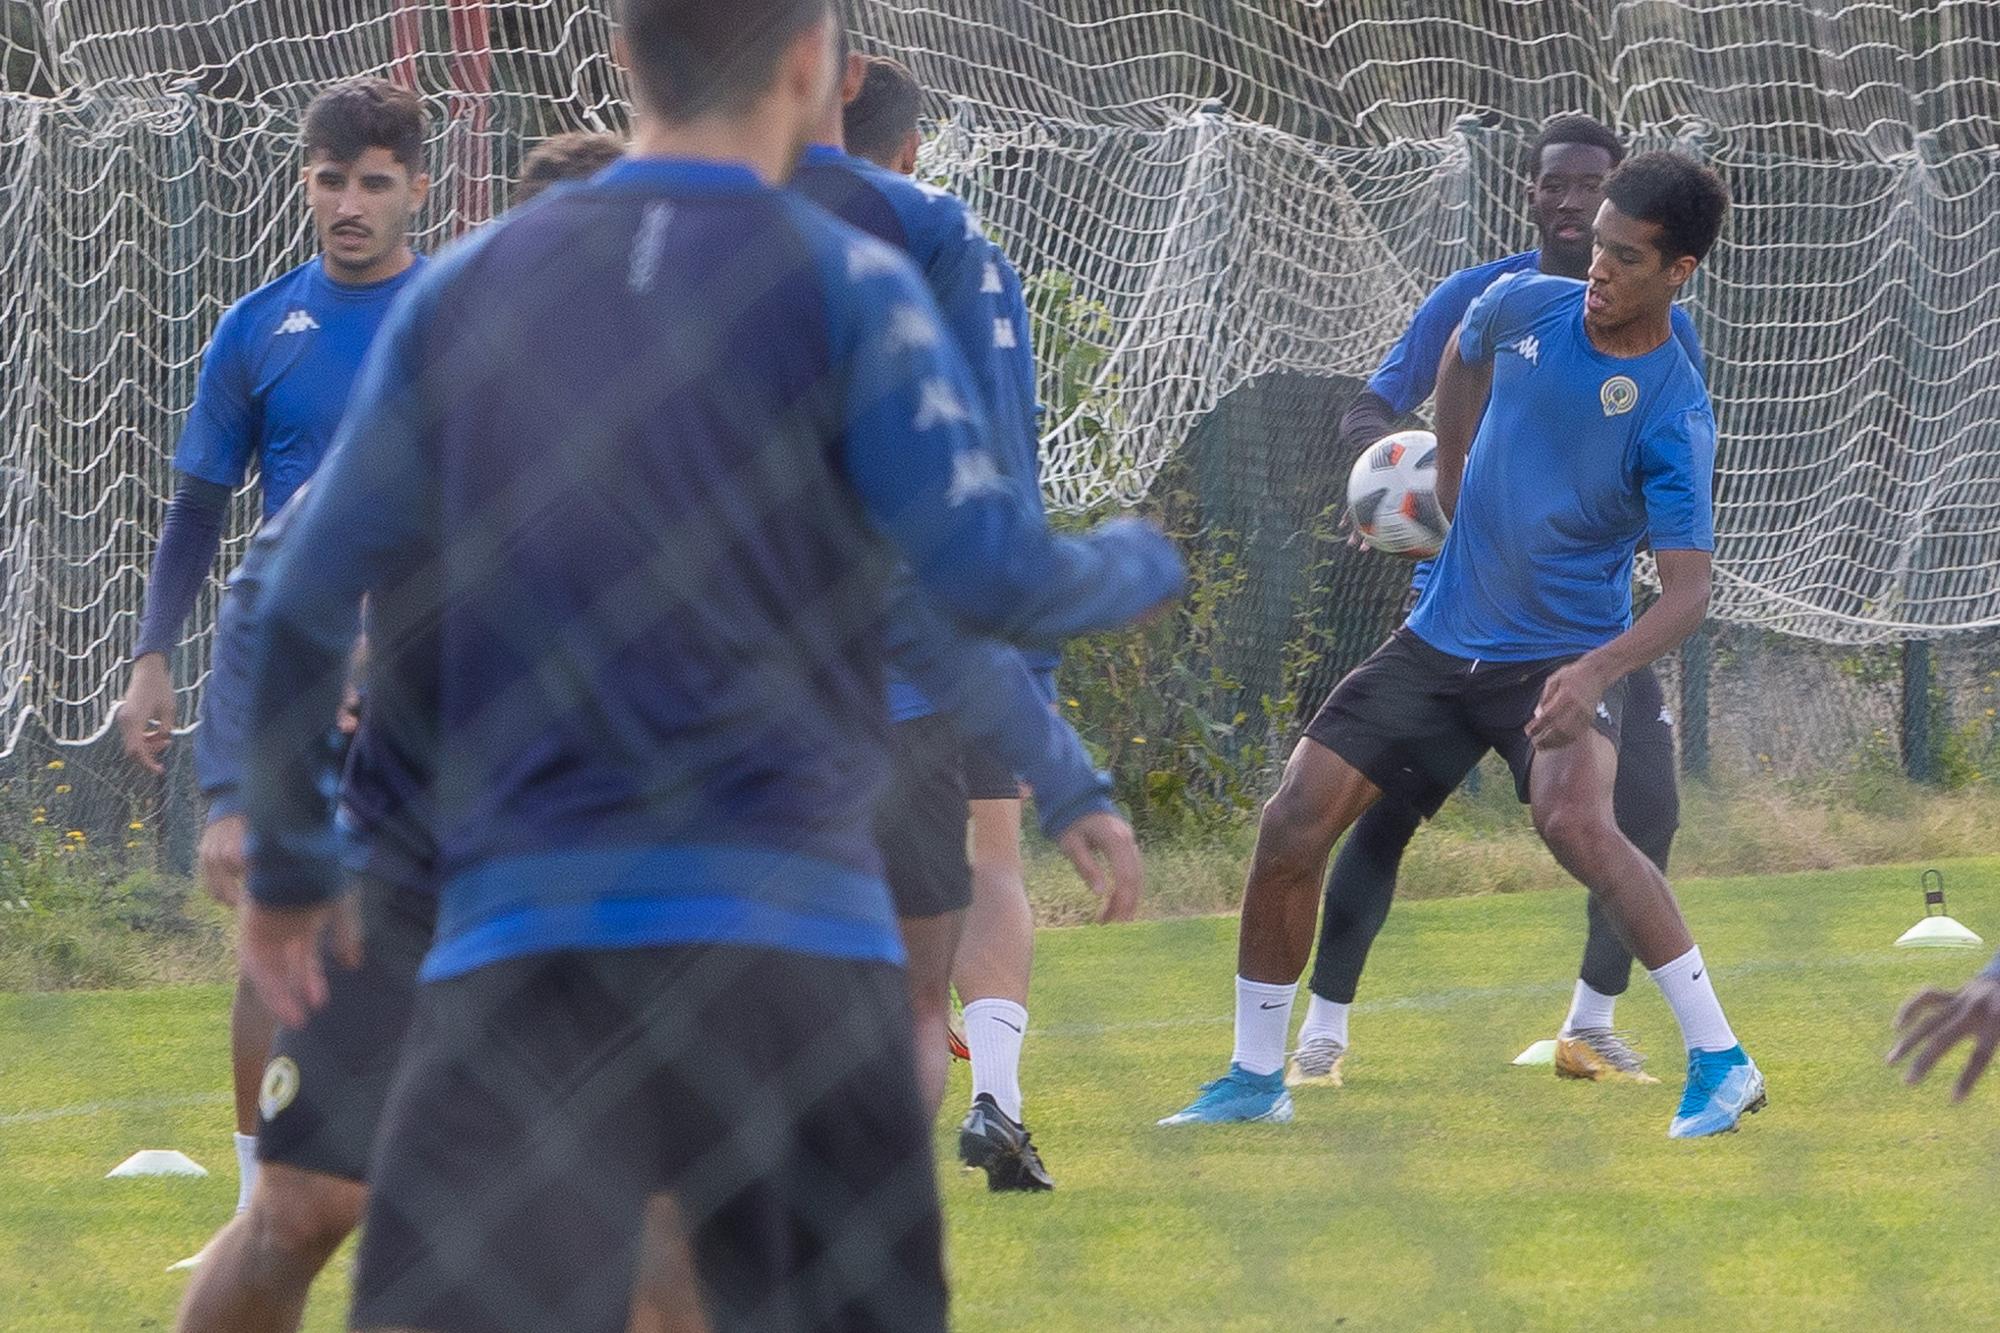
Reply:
x=1441, y=1189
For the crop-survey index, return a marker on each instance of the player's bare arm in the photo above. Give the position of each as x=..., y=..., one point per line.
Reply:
x=1572, y=694
x=1462, y=391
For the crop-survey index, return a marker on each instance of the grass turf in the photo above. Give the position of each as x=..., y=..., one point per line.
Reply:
x=1441, y=1189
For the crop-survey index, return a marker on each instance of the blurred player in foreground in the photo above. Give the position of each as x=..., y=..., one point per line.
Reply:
x=322, y=1092
x=638, y=457
x=943, y=773
x=1568, y=163
x=274, y=381
x=1594, y=432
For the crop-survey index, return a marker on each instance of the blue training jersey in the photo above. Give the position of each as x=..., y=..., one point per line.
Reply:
x=979, y=295
x=276, y=378
x=1580, y=456
x=637, y=460
x=1408, y=374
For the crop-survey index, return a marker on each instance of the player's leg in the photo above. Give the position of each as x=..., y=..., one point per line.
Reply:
x=1570, y=790
x=1646, y=803
x=256, y=1273
x=920, y=827
x=1359, y=890
x=251, y=1030
x=991, y=975
x=320, y=1102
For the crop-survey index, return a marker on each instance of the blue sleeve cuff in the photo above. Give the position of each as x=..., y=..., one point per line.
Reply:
x=224, y=802
x=1055, y=817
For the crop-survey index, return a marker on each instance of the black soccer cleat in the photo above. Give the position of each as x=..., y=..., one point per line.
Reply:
x=992, y=1142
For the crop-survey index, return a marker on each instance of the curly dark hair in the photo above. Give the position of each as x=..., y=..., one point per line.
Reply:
x=1685, y=198
x=350, y=118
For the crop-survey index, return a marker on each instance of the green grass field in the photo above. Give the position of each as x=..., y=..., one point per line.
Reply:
x=1441, y=1189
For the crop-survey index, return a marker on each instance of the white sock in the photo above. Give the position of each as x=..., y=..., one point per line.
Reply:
x=1324, y=1018
x=1691, y=994
x=993, y=1032
x=246, y=1169
x=1263, y=1018
x=1588, y=1008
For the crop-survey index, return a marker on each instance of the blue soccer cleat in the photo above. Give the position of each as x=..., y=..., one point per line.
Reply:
x=1722, y=1088
x=1238, y=1097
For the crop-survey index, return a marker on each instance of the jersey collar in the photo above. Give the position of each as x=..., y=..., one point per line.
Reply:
x=678, y=175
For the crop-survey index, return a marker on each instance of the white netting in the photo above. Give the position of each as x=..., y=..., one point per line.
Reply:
x=1202, y=191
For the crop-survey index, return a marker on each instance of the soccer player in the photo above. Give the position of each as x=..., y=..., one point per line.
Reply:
x=634, y=459
x=996, y=947
x=321, y=1094
x=577, y=155
x=273, y=383
x=1594, y=432
x=880, y=122
x=1568, y=163
x=938, y=779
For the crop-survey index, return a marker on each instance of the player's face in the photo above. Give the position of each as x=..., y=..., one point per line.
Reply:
x=1629, y=278
x=362, y=211
x=1565, y=195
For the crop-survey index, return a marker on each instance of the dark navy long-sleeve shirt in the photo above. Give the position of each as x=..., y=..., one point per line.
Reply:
x=980, y=297
x=629, y=458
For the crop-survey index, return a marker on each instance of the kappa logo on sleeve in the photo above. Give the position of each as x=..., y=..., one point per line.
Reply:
x=910, y=327
x=973, y=473
x=870, y=259
x=939, y=405
x=1529, y=349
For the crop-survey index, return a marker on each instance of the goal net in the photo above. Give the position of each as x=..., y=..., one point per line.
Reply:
x=1204, y=194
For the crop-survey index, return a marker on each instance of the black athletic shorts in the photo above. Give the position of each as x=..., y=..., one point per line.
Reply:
x=543, y=1103
x=920, y=824
x=1415, y=720
x=326, y=1082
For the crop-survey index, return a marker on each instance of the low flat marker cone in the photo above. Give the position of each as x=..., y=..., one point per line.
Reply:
x=156, y=1162
x=1935, y=930
x=1541, y=1053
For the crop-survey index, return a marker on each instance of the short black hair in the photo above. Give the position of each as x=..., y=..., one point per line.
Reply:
x=1685, y=198
x=883, y=115
x=352, y=117
x=1574, y=127
x=693, y=58
x=575, y=156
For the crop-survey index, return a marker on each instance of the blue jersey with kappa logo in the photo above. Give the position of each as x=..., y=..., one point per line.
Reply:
x=1580, y=457
x=276, y=378
x=1408, y=374
x=633, y=465
x=979, y=294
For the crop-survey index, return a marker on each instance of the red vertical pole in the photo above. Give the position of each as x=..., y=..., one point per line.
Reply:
x=472, y=108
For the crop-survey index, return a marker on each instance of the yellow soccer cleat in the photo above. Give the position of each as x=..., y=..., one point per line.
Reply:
x=1316, y=1064
x=1600, y=1055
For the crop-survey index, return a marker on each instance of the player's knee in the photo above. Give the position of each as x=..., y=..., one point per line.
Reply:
x=302, y=1216
x=1575, y=832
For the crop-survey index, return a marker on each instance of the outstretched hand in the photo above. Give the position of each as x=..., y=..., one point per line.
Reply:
x=283, y=950
x=1936, y=1020
x=1106, y=855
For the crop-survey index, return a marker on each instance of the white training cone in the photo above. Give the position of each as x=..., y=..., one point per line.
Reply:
x=1935, y=930
x=1938, y=932
x=1541, y=1053
x=157, y=1162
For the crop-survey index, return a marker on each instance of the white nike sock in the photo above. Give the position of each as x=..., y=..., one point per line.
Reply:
x=1588, y=1008
x=246, y=1169
x=1324, y=1018
x=1263, y=1017
x=993, y=1032
x=1691, y=994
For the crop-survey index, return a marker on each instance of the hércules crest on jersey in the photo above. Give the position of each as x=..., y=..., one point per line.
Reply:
x=281, y=1084
x=1619, y=396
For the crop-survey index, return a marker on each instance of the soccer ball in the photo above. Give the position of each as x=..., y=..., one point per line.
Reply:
x=1392, y=495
